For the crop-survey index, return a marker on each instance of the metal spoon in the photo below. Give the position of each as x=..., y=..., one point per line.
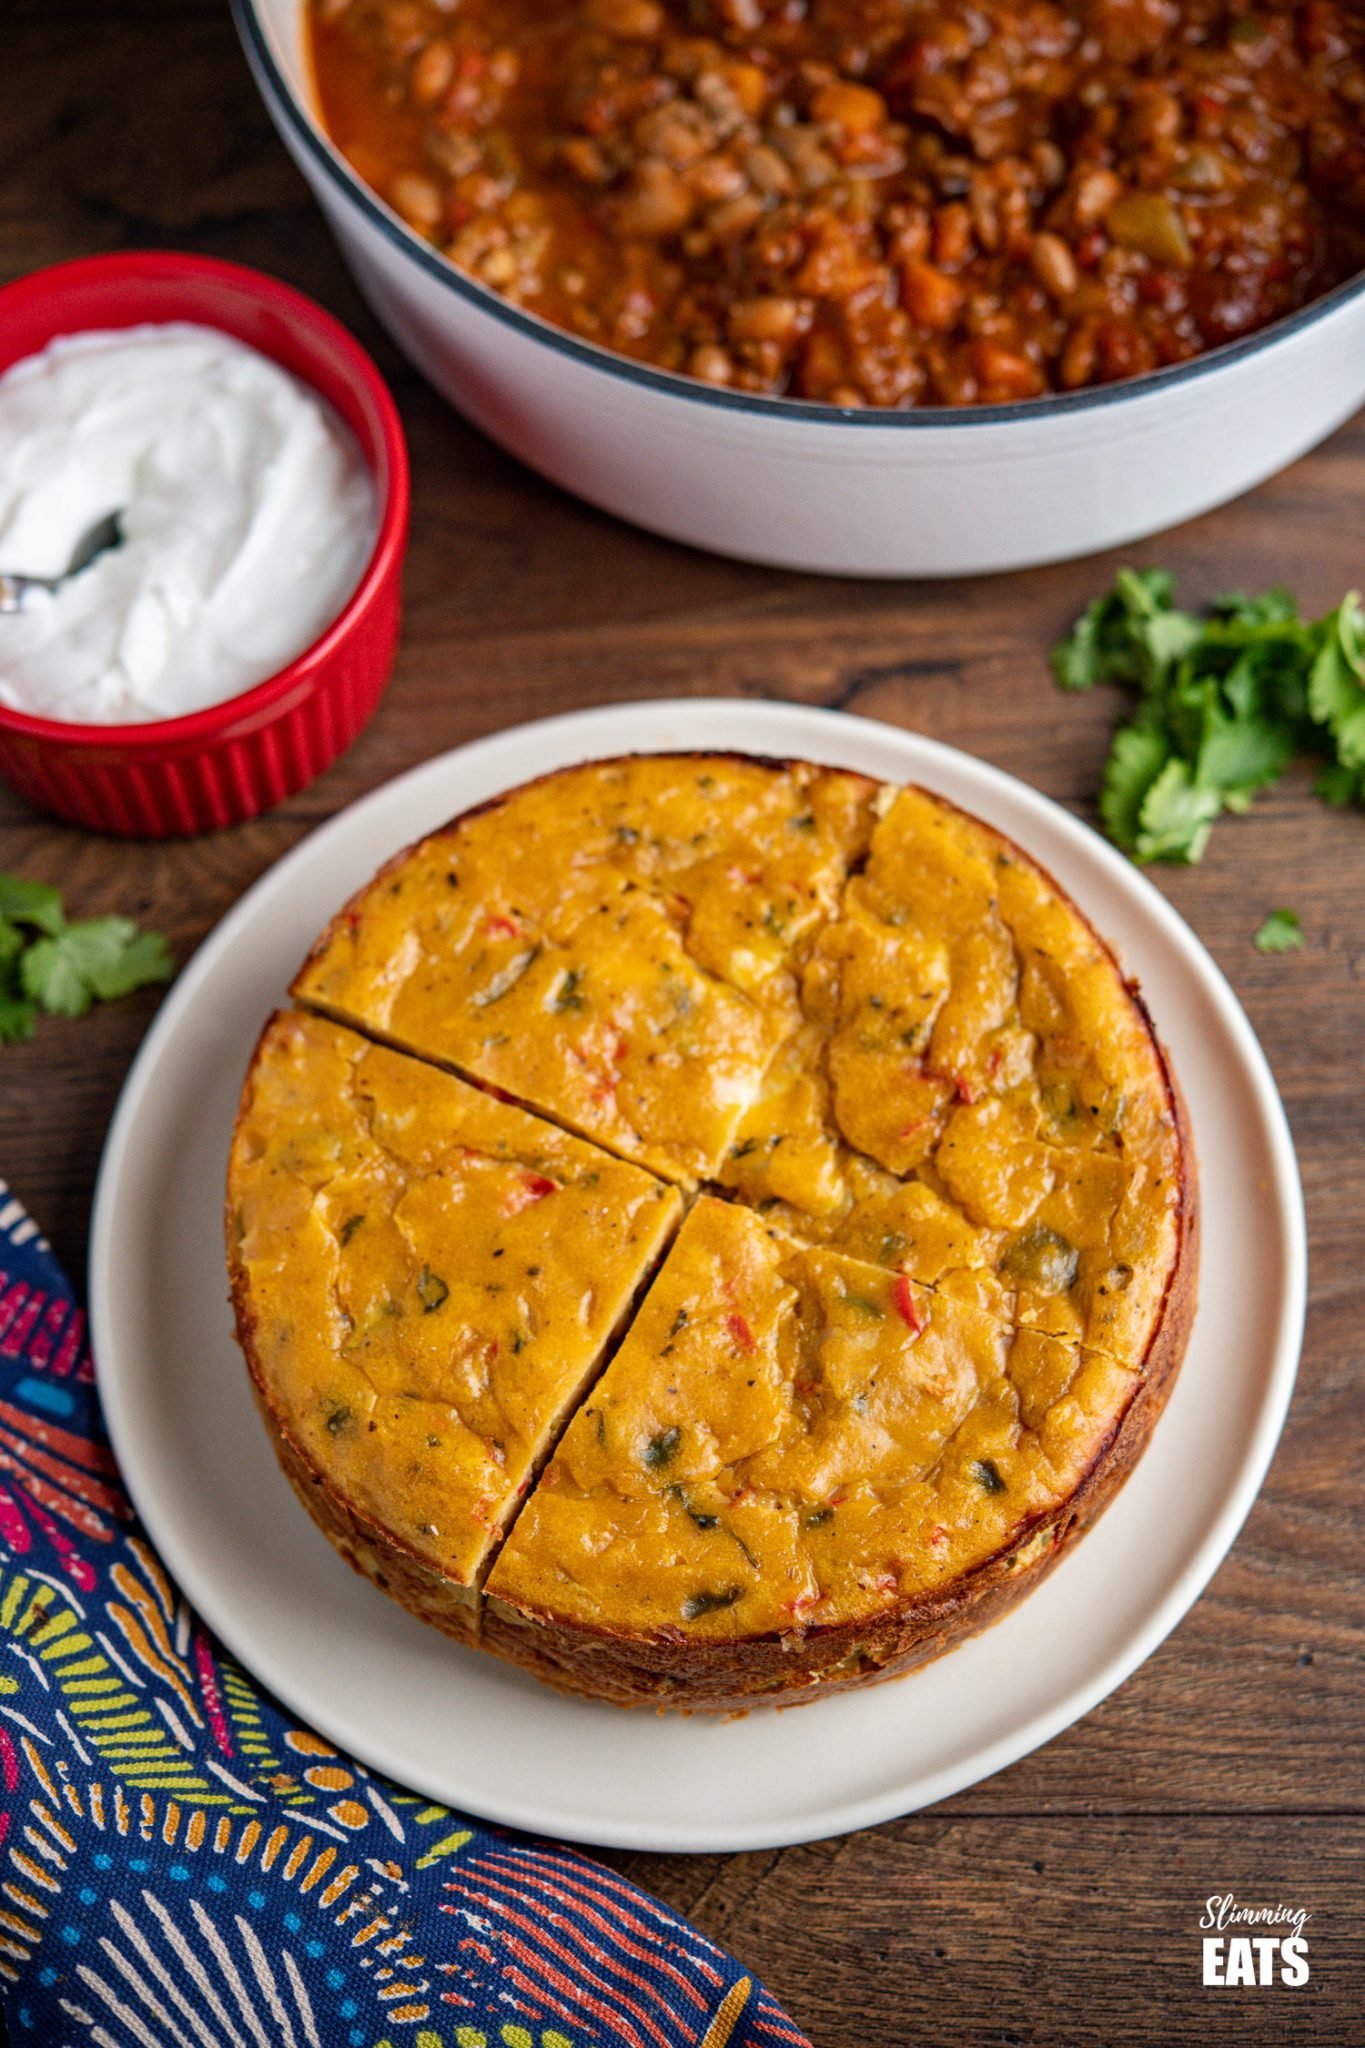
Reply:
x=106, y=533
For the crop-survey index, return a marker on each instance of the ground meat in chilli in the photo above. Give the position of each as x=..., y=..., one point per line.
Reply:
x=870, y=202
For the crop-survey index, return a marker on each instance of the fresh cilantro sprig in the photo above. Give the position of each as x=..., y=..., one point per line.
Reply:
x=49, y=965
x=1227, y=698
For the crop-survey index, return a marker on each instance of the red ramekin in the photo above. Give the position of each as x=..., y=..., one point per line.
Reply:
x=215, y=767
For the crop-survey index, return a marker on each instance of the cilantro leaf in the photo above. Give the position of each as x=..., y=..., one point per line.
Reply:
x=1093, y=650
x=1177, y=816
x=1227, y=699
x=17, y=1019
x=142, y=962
x=1136, y=758
x=1126, y=635
x=1336, y=684
x=1166, y=640
x=17, y=1014
x=1339, y=786
x=114, y=957
x=1280, y=933
x=1241, y=755
x=66, y=967
x=50, y=978
x=1276, y=607
x=34, y=903
x=102, y=957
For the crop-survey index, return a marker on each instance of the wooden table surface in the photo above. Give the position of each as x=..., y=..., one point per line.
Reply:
x=1057, y=1904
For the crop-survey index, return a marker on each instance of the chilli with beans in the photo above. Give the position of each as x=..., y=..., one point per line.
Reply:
x=870, y=202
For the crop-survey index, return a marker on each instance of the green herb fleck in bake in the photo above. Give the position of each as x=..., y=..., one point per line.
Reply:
x=506, y=979
x=864, y=1304
x=432, y=1291
x=662, y=1449
x=697, y=1604
x=1041, y=1257
x=698, y=1516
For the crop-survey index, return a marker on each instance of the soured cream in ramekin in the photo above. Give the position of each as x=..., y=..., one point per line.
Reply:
x=247, y=511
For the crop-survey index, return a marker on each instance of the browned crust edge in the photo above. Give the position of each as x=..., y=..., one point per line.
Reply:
x=667, y=1671
x=375, y=1552
x=390, y=1559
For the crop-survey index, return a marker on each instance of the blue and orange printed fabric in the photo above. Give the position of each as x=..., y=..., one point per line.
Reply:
x=183, y=1866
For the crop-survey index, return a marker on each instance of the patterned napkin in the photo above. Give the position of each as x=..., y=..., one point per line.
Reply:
x=183, y=1866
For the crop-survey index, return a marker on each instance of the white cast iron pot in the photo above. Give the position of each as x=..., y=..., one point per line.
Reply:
x=933, y=492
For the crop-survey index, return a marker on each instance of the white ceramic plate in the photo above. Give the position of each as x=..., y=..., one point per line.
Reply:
x=464, y=1729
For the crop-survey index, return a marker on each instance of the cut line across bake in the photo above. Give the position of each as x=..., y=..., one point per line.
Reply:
x=793, y=1447
x=427, y=1282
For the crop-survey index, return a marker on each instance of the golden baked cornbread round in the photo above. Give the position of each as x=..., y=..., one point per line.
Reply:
x=713, y=1230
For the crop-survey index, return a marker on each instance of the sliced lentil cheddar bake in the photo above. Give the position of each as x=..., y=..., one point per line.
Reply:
x=976, y=1088
x=795, y=1471
x=425, y=1280
x=931, y=1292
x=615, y=945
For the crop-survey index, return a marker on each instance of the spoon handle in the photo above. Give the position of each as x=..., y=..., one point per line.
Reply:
x=106, y=533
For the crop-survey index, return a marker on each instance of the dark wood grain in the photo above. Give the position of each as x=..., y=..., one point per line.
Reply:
x=1056, y=1905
